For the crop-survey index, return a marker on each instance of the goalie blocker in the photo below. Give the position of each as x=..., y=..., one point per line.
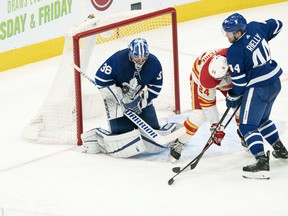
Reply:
x=125, y=145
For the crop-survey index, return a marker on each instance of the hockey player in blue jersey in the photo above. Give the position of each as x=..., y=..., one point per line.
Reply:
x=128, y=80
x=255, y=85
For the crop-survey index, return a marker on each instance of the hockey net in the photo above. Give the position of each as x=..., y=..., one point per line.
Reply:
x=73, y=98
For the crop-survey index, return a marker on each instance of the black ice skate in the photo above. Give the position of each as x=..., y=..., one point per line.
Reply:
x=175, y=150
x=243, y=142
x=280, y=151
x=259, y=170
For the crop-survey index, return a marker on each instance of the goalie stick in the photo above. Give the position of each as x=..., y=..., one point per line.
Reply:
x=84, y=74
x=142, y=125
x=146, y=128
x=191, y=165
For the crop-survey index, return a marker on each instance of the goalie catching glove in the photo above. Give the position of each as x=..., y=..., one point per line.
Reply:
x=219, y=133
x=138, y=103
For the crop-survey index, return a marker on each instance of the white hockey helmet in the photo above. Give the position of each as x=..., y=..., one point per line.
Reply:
x=218, y=67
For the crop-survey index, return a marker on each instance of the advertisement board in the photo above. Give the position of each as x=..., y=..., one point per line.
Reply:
x=25, y=22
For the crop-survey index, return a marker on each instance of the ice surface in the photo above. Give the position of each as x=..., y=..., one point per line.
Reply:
x=58, y=180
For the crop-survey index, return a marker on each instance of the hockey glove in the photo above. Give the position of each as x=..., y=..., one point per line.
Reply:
x=133, y=105
x=138, y=103
x=219, y=133
x=232, y=100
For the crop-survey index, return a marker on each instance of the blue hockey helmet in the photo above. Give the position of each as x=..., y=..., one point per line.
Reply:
x=139, y=52
x=234, y=22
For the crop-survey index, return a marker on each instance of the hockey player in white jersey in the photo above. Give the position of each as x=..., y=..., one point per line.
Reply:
x=210, y=72
x=255, y=85
x=130, y=79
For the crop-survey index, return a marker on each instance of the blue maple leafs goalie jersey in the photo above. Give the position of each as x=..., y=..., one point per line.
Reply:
x=120, y=70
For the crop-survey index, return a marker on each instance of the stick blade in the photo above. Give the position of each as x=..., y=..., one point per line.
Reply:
x=176, y=169
x=171, y=181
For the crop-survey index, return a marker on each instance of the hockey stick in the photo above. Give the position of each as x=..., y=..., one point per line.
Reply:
x=147, y=129
x=208, y=144
x=144, y=126
x=84, y=74
x=191, y=165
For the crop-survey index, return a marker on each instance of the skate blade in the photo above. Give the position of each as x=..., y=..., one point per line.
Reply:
x=256, y=175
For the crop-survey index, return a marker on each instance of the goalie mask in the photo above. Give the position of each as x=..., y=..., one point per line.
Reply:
x=218, y=67
x=138, y=52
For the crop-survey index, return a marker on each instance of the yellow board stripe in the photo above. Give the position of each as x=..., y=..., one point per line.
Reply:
x=205, y=8
x=29, y=54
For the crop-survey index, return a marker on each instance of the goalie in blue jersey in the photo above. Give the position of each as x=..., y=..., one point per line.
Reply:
x=130, y=79
x=255, y=85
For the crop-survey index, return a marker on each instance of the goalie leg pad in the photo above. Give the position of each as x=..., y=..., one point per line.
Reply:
x=90, y=142
x=123, y=145
x=151, y=146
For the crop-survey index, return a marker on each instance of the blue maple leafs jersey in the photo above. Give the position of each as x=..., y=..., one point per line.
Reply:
x=119, y=70
x=249, y=58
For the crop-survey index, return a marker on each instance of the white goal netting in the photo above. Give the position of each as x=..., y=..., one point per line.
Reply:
x=55, y=121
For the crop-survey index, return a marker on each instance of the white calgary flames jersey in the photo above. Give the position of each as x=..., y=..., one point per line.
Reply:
x=203, y=85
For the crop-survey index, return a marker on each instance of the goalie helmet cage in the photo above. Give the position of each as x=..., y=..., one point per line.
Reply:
x=73, y=99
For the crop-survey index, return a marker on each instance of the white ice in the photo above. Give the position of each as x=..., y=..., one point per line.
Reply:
x=37, y=179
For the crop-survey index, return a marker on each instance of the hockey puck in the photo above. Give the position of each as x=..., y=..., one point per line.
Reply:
x=125, y=89
x=171, y=181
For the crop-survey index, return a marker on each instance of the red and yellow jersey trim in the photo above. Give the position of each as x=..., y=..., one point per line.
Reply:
x=191, y=129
